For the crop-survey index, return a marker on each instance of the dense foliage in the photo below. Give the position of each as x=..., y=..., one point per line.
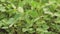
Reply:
x=29, y=16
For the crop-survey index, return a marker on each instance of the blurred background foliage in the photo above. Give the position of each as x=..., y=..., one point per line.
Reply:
x=29, y=16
